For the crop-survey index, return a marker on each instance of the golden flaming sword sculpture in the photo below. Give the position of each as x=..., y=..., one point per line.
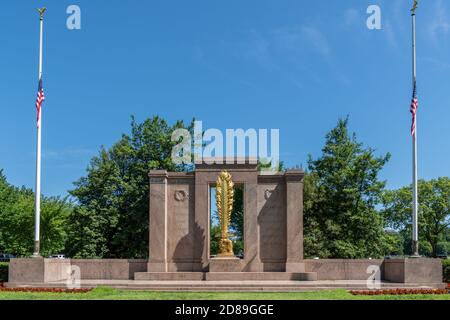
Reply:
x=224, y=202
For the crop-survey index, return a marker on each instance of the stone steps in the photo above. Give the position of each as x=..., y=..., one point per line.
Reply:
x=228, y=286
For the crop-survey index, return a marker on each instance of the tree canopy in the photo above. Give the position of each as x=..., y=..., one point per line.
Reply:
x=434, y=214
x=17, y=221
x=342, y=190
x=112, y=217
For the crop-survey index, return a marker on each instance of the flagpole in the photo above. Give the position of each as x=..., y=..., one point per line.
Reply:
x=415, y=204
x=37, y=208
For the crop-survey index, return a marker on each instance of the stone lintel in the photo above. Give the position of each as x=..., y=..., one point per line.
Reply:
x=295, y=175
x=157, y=173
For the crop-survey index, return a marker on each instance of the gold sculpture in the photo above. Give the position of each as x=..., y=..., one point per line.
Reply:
x=224, y=202
x=414, y=8
x=41, y=12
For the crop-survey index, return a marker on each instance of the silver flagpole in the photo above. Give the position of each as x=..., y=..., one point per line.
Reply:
x=37, y=208
x=415, y=206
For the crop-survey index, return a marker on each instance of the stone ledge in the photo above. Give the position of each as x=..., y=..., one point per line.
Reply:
x=261, y=276
x=169, y=276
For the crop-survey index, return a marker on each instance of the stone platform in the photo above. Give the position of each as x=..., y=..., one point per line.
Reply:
x=228, y=286
x=318, y=274
x=225, y=276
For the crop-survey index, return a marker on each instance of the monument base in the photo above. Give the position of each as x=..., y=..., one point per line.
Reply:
x=225, y=264
x=407, y=272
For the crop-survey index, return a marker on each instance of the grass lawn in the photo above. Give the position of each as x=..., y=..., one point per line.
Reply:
x=113, y=294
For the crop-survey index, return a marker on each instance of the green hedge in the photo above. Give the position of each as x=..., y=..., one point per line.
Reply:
x=3, y=272
x=446, y=269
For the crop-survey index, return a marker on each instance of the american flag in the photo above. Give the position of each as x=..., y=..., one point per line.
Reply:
x=39, y=99
x=413, y=109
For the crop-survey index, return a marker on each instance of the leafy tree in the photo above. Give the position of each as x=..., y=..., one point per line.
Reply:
x=17, y=221
x=434, y=214
x=237, y=216
x=216, y=234
x=113, y=218
x=342, y=191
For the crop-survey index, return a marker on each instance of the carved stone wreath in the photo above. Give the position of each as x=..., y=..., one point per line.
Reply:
x=181, y=195
x=268, y=193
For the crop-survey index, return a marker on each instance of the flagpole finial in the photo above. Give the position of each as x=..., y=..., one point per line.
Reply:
x=414, y=8
x=41, y=12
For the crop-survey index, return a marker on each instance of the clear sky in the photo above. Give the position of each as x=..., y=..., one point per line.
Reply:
x=288, y=64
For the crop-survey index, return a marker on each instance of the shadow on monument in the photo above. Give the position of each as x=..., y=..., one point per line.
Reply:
x=187, y=255
x=272, y=224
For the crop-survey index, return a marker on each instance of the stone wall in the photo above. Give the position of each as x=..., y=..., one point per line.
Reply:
x=109, y=269
x=180, y=219
x=40, y=270
x=343, y=269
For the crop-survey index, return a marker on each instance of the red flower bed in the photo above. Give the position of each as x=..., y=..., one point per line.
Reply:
x=51, y=290
x=398, y=292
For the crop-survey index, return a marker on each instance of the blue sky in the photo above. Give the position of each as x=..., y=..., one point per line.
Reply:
x=290, y=64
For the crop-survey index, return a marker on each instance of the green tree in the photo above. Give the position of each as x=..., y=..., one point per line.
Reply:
x=342, y=191
x=434, y=214
x=112, y=220
x=216, y=235
x=17, y=221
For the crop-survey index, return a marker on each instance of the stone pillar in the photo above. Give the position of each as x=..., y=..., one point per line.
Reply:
x=294, y=220
x=158, y=222
x=252, y=260
x=202, y=201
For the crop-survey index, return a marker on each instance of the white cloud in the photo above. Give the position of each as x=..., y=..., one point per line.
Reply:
x=437, y=63
x=391, y=36
x=69, y=152
x=258, y=49
x=300, y=39
x=440, y=24
x=317, y=39
x=351, y=15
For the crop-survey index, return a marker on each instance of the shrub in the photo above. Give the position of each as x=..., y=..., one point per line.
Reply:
x=3, y=272
x=446, y=270
x=442, y=248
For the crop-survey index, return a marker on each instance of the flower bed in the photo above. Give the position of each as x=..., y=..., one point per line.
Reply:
x=398, y=292
x=51, y=290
